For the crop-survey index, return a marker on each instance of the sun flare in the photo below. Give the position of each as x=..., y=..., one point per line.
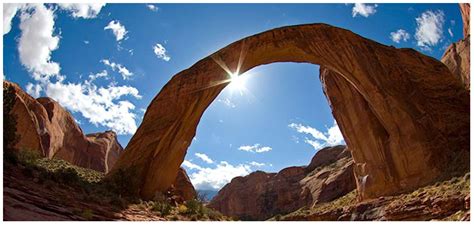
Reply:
x=237, y=82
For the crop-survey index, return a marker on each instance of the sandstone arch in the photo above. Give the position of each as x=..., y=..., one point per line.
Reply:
x=413, y=113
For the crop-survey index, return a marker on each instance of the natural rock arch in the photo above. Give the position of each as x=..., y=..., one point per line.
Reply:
x=413, y=115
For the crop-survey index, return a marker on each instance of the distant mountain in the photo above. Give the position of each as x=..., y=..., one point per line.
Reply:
x=207, y=194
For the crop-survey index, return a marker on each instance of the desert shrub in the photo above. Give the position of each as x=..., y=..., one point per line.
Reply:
x=123, y=183
x=87, y=214
x=194, y=207
x=164, y=208
x=28, y=157
x=182, y=209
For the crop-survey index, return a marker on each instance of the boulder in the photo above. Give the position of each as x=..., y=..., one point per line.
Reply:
x=260, y=195
x=45, y=126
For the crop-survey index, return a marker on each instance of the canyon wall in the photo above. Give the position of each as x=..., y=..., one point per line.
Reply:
x=260, y=195
x=44, y=126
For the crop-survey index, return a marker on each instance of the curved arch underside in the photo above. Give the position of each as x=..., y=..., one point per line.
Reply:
x=403, y=115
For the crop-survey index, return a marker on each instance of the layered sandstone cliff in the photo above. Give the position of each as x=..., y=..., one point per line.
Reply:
x=261, y=195
x=44, y=126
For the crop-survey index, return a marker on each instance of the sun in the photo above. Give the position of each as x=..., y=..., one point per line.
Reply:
x=237, y=82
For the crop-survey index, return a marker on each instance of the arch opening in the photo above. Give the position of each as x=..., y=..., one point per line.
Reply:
x=257, y=128
x=421, y=107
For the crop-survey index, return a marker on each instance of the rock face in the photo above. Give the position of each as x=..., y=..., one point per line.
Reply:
x=261, y=195
x=43, y=125
x=457, y=56
x=413, y=107
x=183, y=186
x=465, y=12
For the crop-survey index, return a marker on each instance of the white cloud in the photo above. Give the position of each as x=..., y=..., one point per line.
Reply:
x=86, y=42
x=227, y=102
x=429, y=31
x=364, y=10
x=450, y=32
x=160, y=52
x=152, y=7
x=399, y=35
x=255, y=148
x=100, y=105
x=332, y=136
x=9, y=11
x=256, y=164
x=191, y=165
x=92, y=77
x=82, y=10
x=37, y=41
x=204, y=157
x=215, y=178
x=117, y=28
x=34, y=89
x=126, y=74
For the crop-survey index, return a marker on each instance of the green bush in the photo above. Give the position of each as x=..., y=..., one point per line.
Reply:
x=164, y=208
x=194, y=207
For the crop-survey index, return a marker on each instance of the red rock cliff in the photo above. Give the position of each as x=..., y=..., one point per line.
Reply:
x=261, y=195
x=45, y=126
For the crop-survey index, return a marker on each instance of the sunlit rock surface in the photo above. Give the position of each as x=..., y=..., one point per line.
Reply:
x=44, y=126
x=414, y=112
x=260, y=195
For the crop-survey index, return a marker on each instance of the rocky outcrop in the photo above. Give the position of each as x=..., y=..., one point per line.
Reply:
x=261, y=195
x=413, y=108
x=442, y=201
x=45, y=126
x=465, y=12
x=183, y=187
x=457, y=56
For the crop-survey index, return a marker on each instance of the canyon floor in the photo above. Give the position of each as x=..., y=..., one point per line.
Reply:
x=42, y=189
x=51, y=190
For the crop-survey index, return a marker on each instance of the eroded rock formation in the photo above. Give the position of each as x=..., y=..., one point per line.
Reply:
x=260, y=195
x=183, y=186
x=44, y=126
x=414, y=108
x=457, y=56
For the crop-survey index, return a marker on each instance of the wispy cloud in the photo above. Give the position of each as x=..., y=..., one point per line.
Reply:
x=256, y=148
x=160, y=52
x=364, y=10
x=399, y=35
x=126, y=74
x=256, y=164
x=429, y=30
x=152, y=7
x=319, y=139
x=117, y=29
x=204, y=157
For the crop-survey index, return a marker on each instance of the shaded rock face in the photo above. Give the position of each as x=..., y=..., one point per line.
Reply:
x=183, y=186
x=412, y=105
x=457, y=56
x=261, y=195
x=43, y=125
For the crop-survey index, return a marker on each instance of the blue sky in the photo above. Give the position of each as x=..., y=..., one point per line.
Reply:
x=105, y=63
